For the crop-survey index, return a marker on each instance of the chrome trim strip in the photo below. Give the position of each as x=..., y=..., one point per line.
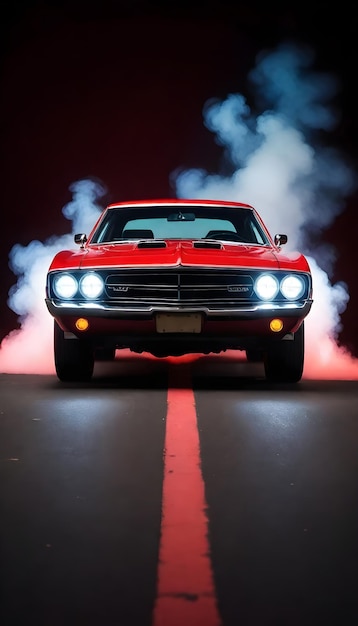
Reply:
x=98, y=309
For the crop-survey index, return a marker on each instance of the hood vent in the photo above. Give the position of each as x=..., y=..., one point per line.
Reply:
x=208, y=245
x=152, y=244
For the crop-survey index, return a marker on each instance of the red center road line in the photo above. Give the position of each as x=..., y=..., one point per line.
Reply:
x=185, y=590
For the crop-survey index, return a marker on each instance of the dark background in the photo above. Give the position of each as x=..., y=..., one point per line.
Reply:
x=115, y=91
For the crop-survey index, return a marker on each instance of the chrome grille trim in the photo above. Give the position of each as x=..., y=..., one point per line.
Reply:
x=87, y=308
x=179, y=286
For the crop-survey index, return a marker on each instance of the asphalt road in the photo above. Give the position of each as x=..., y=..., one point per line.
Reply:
x=91, y=537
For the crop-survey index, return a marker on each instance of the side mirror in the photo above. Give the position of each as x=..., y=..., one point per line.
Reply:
x=280, y=239
x=80, y=239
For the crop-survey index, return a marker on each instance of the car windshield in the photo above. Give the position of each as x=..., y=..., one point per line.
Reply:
x=179, y=222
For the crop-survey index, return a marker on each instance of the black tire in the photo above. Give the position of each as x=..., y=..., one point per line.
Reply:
x=284, y=361
x=74, y=358
x=254, y=356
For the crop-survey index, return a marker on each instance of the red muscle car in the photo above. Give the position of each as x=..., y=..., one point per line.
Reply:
x=172, y=277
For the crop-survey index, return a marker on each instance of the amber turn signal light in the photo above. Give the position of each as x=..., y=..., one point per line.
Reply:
x=276, y=325
x=82, y=324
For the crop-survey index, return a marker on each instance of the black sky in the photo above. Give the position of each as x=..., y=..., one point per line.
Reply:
x=115, y=90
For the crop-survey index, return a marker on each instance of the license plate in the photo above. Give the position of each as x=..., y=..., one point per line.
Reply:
x=178, y=323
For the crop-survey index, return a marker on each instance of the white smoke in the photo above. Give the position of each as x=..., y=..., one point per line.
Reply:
x=298, y=185
x=29, y=349
x=277, y=163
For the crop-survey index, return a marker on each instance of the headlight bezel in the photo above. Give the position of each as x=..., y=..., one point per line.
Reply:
x=75, y=286
x=292, y=287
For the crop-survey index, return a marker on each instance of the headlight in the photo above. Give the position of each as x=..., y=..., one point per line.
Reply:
x=292, y=287
x=91, y=286
x=65, y=286
x=266, y=287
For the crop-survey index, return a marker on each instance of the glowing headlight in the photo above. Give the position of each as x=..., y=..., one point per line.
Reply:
x=91, y=286
x=266, y=287
x=292, y=287
x=65, y=286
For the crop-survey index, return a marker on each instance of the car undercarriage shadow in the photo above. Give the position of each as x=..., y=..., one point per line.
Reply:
x=225, y=371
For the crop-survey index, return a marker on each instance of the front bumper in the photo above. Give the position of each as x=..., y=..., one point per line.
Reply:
x=220, y=328
x=145, y=312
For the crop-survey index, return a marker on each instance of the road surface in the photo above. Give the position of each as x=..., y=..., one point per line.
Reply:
x=178, y=492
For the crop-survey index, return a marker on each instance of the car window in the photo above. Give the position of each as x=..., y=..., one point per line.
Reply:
x=197, y=229
x=157, y=222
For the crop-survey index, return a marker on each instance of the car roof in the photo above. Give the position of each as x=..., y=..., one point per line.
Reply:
x=179, y=202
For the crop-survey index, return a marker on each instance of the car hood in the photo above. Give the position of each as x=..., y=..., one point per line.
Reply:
x=155, y=253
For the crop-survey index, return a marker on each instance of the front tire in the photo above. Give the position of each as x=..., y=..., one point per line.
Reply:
x=74, y=358
x=284, y=360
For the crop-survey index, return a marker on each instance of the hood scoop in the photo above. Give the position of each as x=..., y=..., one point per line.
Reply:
x=152, y=244
x=208, y=245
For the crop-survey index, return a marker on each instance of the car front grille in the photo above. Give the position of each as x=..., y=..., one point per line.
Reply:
x=180, y=287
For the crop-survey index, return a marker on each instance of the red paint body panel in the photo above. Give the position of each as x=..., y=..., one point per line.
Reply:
x=103, y=326
x=178, y=253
